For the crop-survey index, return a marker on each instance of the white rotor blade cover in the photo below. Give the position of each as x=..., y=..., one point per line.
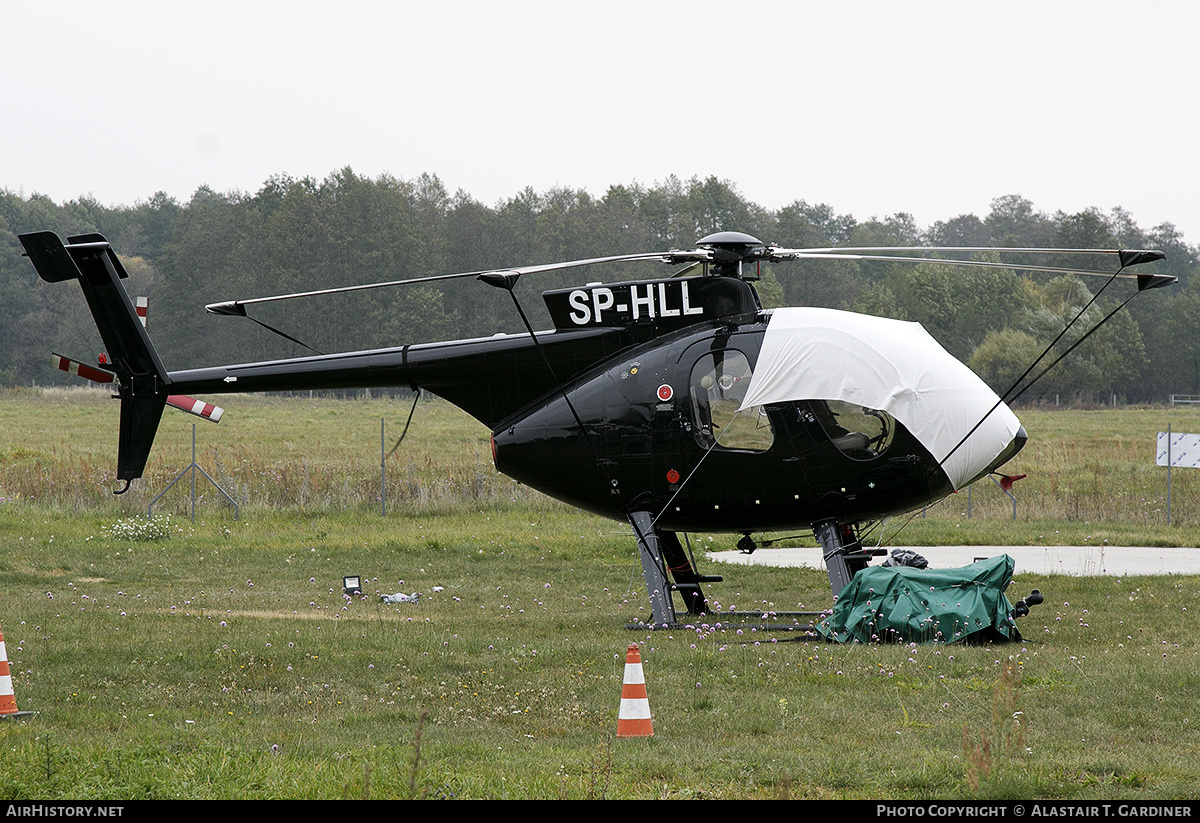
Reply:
x=890, y=365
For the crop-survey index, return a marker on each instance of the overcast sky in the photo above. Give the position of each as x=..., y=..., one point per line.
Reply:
x=930, y=108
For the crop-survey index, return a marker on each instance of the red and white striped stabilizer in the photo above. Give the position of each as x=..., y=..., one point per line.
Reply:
x=8, y=699
x=633, y=719
x=81, y=369
x=197, y=407
x=143, y=306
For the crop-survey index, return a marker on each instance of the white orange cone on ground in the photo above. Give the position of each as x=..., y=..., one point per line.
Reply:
x=8, y=700
x=633, y=720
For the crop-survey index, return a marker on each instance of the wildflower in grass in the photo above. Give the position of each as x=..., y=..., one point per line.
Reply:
x=140, y=529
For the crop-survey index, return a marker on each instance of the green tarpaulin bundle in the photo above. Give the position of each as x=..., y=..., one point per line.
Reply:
x=901, y=603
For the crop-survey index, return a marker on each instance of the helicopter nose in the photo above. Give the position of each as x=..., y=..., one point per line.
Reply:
x=1018, y=443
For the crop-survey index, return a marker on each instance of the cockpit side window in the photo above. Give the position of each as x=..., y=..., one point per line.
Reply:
x=719, y=382
x=857, y=431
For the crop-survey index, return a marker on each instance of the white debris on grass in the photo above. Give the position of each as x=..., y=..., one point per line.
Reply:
x=413, y=597
x=400, y=597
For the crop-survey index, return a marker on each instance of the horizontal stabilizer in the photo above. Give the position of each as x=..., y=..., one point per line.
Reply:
x=78, y=369
x=197, y=407
x=49, y=256
x=55, y=262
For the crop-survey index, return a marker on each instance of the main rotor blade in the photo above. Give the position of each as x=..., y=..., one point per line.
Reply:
x=238, y=307
x=772, y=253
x=949, y=249
x=1126, y=257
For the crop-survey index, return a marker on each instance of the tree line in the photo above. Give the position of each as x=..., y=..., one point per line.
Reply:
x=296, y=235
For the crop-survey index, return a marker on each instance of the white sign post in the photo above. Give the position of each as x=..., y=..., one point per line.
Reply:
x=1177, y=450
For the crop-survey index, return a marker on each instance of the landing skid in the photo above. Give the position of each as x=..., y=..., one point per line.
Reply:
x=668, y=570
x=747, y=622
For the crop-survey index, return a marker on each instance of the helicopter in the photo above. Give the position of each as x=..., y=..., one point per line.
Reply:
x=675, y=404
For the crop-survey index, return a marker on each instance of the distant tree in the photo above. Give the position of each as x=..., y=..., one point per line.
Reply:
x=770, y=292
x=413, y=315
x=1003, y=357
x=1173, y=342
x=1125, y=230
x=801, y=225
x=964, y=230
x=1109, y=360
x=895, y=230
x=1012, y=222
x=879, y=299
x=959, y=306
x=1183, y=259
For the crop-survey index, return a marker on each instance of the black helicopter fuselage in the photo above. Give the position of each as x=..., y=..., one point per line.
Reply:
x=609, y=411
x=649, y=443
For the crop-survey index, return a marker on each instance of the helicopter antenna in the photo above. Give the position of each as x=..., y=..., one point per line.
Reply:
x=416, y=397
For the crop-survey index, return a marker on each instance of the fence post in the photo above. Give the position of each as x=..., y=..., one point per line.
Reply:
x=194, y=467
x=1011, y=496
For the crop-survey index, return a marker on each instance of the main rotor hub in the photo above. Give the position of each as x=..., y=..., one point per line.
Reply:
x=730, y=250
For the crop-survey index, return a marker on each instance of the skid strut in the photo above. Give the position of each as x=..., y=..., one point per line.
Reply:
x=664, y=560
x=844, y=553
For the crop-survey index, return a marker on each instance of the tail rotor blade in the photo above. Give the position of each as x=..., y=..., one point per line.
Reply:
x=197, y=407
x=79, y=369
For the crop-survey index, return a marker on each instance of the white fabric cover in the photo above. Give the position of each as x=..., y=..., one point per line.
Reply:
x=891, y=365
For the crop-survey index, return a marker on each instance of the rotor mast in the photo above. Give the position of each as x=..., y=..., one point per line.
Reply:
x=728, y=250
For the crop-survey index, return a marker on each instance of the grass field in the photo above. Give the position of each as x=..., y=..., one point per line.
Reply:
x=218, y=658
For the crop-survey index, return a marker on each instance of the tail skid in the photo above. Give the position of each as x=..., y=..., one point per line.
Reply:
x=142, y=379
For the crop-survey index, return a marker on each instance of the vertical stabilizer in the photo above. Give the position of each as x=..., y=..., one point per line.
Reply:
x=142, y=379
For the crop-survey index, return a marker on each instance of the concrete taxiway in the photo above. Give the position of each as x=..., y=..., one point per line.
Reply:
x=1079, y=561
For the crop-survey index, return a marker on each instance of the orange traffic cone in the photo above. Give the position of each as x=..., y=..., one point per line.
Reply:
x=633, y=720
x=8, y=700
